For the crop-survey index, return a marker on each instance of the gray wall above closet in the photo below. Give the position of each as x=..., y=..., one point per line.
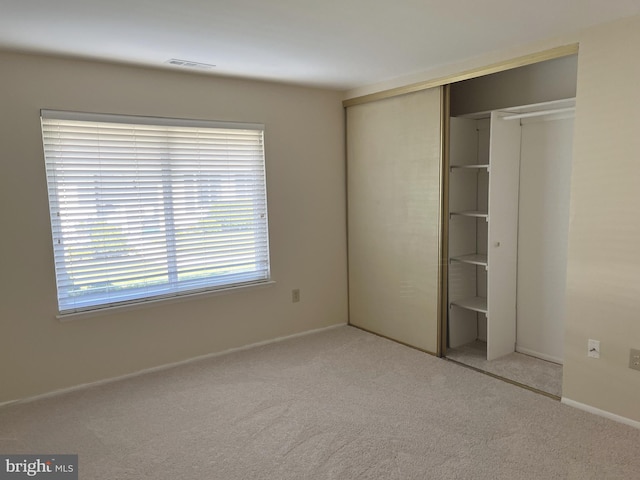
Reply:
x=537, y=83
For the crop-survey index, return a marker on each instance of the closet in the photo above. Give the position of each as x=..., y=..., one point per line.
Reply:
x=458, y=209
x=508, y=218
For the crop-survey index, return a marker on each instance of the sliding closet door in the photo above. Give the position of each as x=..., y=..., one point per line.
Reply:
x=394, y=211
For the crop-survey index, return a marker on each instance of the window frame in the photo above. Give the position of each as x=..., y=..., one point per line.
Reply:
x=181, y=289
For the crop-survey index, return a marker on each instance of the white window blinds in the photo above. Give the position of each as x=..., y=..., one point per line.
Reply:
x=149, y=207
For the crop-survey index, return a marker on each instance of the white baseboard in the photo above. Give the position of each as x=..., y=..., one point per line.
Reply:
x=166, y=366
x=601, y=413
x=543, y=356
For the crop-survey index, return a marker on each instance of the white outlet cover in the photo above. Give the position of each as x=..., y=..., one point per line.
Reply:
x=593, y=348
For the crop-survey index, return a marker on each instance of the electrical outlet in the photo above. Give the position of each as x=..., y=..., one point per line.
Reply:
x=593, y=348
x=295, y=295
x=634, y=359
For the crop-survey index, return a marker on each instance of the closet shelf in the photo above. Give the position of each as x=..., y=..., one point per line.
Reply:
x=472, y=213
x=479, y=166
x=473, y=258
x=477, y=304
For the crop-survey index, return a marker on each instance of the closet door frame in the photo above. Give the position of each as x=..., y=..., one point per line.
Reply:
x=445, y=82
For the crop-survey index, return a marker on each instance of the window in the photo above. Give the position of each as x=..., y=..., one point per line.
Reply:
x=143, y=208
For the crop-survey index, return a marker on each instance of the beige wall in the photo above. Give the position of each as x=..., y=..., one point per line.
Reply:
x=305, y=179
x=603, y=274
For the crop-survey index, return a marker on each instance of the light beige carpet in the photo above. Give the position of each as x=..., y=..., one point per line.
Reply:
x=536, y=373
x=341, y=404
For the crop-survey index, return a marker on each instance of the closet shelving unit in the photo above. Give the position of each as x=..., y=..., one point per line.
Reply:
x=469, y=172
x=468, y=224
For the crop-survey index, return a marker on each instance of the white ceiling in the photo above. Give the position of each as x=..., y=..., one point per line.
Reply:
x=330, y=43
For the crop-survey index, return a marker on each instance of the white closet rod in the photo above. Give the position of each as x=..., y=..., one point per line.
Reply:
x=538, y=113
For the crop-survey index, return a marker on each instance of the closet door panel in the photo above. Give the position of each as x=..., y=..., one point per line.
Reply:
x=394, y=216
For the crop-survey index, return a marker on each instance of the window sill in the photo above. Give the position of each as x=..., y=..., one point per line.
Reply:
x=68, y=317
